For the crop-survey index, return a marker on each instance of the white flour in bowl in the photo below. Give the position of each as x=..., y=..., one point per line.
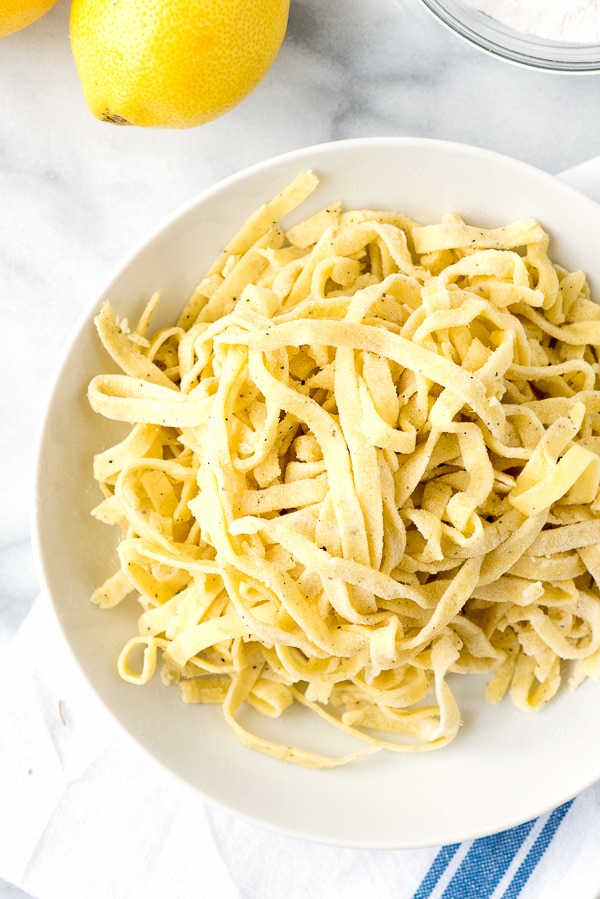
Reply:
x=567, y=21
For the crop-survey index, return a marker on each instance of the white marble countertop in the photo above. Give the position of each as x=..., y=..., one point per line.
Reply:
x=77, y=195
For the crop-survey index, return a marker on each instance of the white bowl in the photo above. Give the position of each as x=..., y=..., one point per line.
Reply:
x=505, y=766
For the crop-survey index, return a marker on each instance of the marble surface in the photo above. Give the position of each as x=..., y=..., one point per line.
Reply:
x=78, y=195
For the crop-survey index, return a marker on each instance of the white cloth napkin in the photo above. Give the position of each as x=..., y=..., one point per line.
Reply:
x=83, y=813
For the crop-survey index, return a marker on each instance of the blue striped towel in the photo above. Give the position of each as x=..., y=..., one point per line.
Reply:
x=496, y=866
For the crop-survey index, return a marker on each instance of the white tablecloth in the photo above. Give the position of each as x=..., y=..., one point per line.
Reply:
x=84, y=813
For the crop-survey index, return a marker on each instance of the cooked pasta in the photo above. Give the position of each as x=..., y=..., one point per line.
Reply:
x=365, y=458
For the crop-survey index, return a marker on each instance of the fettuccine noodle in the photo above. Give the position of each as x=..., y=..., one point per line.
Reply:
x=366, y=457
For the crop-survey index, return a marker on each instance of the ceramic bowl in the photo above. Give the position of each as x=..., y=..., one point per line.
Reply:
x=505, y=766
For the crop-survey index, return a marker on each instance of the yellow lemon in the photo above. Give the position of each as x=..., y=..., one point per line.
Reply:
x=172, y=63
x=17, y=14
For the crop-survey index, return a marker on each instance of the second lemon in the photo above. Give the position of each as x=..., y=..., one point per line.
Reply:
x=18, y=14
x=173, y=63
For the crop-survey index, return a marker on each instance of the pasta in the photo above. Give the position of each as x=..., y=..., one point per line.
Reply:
x=365, y=459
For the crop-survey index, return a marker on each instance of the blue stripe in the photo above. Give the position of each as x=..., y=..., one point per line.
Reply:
x=536, y=852
x=485, y=864
x=488, y=859
x=441, y=862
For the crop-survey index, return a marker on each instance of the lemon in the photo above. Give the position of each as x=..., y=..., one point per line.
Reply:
x=18, y=14
x=172, y=63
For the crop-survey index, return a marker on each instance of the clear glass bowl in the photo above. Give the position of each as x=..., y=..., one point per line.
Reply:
x=491, y=36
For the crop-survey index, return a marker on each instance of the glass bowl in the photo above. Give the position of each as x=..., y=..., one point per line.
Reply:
x=493, y=37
